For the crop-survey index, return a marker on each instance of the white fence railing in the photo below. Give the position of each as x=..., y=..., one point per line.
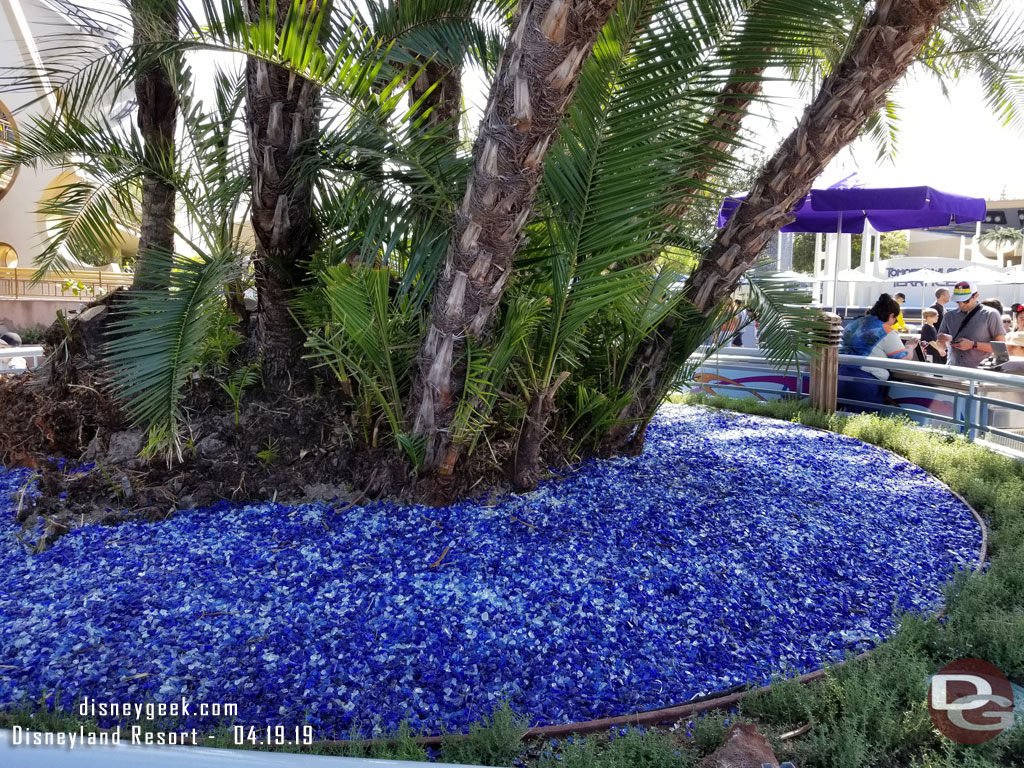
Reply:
x=19, y=359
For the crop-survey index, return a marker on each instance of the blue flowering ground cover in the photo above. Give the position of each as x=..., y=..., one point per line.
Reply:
x=735, y=548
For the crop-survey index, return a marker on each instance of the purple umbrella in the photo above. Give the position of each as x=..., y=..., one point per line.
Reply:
x=845, y=208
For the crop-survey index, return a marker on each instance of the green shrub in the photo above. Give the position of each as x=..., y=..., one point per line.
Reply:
x=494, y=740
x=32, y=334
x=637, y=748
x=710, y=729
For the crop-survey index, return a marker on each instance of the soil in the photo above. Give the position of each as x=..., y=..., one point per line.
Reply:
x=62, y=421
x=284, y=448
x=288, y=449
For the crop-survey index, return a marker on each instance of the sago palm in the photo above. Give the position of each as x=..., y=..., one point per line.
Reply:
x=549, y=297
x=156, y=97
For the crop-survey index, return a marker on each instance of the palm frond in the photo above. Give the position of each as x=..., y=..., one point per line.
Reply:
x=788, y=326
x=695, y=340
x=882, y=129
x=487, y=370
x=451, y=31
x=986, y=39
x=91, y=208
x=157, y=336
x=364, y=332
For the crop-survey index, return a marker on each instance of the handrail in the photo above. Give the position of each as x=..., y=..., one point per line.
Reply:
x=31, y=354
x=910, y=366
x=18, y=282
x=98, y=274
x=936, y=369
x=982, y=404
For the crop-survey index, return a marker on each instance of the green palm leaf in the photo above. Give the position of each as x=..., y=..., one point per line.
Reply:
x=787, y=325
x=157, y=336
x=91, y=211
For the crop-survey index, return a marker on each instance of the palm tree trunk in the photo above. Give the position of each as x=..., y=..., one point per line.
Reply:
x=538, y=74
x=282, y=116
x=891, y=38
x=443, y=102
x=889, y=41
x=155, y=21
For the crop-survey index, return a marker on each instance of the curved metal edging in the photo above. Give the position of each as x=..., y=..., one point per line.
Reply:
x=983, y=550
x=722, y=700
x=683, y=711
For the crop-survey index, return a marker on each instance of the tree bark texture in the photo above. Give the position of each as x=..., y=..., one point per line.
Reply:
x=538, y=74
x=155, y=21
x=886, y=46
x=443, y=103
x=525, y=468
x=282, y=117
x=891, y=38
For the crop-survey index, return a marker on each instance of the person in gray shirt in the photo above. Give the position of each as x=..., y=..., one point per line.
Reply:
x=967, y=330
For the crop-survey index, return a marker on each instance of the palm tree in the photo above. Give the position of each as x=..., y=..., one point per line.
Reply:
x=887, y=45
x=155, y=22
x=888, y=42
x=282, y=119
x=536, y=78
x=548, y=317
x=1003, y=239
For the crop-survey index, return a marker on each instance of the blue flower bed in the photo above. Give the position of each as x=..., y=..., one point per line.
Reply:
x=733, y=549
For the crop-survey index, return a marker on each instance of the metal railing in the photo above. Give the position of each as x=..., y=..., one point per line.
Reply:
x=82, y=284
x=983, y=405
x=12, y=357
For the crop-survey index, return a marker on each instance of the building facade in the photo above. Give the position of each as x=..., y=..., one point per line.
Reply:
x=34, y=34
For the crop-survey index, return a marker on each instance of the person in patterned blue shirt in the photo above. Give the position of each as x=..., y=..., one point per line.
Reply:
x=871, y=336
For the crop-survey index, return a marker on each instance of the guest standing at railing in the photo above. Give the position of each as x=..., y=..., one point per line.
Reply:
x=1017, y=316
x=900, y=326
x=930, y=346
x=967, y=330
x=1015, y=347
x=741, y=320
x=871, y=336
x=995, y=304
x=941, y=299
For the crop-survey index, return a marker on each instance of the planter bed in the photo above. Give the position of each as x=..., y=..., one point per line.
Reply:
x=734, y=549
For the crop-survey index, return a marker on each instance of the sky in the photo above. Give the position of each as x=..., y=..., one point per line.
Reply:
x=954, y=144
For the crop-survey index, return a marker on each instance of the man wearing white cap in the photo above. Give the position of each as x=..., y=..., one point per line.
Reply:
x=967, y=330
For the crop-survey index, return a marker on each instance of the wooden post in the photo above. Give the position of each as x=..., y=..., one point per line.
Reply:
x=825, y=366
